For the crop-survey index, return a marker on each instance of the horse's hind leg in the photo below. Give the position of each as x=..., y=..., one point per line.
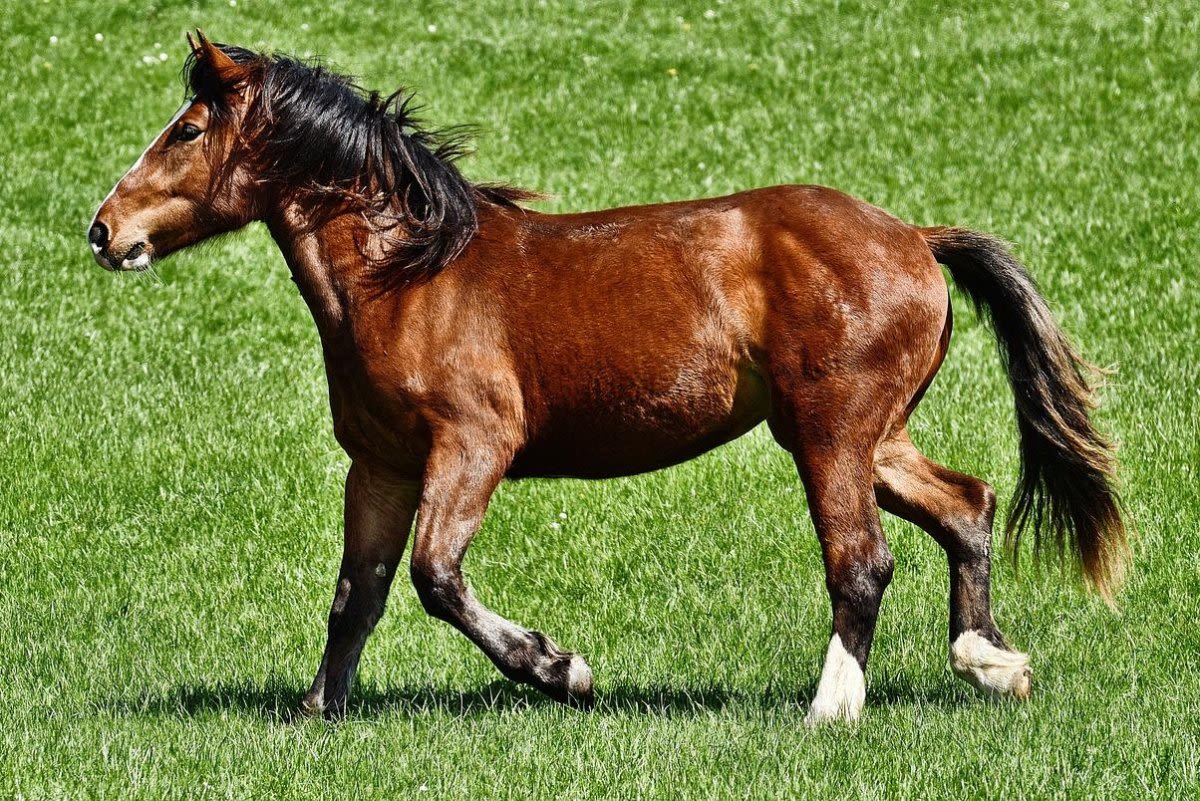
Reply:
x=834, y=454
x=957, y=510
x=858, y=568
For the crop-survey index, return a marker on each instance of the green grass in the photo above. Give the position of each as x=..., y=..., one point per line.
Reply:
x=170, y=498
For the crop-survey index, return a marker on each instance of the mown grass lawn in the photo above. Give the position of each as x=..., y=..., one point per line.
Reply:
x=170, y=488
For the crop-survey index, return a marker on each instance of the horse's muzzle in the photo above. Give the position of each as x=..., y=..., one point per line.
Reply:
x=137, y=257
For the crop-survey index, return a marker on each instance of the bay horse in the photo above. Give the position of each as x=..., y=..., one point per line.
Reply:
x=467, y=339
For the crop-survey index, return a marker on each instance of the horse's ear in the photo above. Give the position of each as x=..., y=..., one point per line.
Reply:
x=227, y=71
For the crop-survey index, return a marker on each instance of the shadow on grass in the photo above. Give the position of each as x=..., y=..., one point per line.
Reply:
x=277, y=700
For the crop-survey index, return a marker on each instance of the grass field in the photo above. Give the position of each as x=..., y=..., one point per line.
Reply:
x=171, y=490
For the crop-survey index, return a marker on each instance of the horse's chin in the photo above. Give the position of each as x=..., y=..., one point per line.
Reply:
x=155, y=253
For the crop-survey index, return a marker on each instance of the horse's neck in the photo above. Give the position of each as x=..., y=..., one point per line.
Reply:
x=325, y=265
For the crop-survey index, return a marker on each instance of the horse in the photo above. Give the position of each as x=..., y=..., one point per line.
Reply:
x=676, y=328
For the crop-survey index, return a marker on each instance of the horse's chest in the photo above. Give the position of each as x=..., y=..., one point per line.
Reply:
x=377, y=419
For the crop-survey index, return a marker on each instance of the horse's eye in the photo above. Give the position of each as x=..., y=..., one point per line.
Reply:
x=188, y=132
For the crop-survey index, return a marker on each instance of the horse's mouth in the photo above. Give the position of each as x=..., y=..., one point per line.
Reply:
x=137, y=259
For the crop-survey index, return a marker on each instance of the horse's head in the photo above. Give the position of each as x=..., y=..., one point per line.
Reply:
x=187, y=185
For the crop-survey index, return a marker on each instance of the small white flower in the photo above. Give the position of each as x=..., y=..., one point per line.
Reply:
x=147, y=59
x=232, y=3
x=99, y=37
x=53, y=40
x=162, y=56
x=304, y=26
x=562, y=515
x=710, y=14
x=158, y=45
x=432, y=29
x=556, y=524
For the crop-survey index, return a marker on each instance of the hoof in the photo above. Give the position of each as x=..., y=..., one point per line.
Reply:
x=996, y=671
x=579, y=684
x=568, y=680
x=307, y=709
x=316, y=707
x=821, y=715
x=561, y=675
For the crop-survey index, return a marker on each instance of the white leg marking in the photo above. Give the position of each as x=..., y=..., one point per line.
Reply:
x=991, y=669
x=842, y=690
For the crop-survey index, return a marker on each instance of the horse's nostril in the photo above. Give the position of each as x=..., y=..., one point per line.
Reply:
x=98, y=235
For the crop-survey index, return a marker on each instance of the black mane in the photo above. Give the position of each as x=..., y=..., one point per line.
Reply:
x=312, y=130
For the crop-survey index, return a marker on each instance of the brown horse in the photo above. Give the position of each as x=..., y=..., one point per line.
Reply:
x=676, y=328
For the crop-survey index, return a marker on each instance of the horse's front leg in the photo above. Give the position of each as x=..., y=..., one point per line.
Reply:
x=459, y=481
x=379, y=513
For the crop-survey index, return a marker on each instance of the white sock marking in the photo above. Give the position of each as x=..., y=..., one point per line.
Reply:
x=842, y=690
x=994, y=670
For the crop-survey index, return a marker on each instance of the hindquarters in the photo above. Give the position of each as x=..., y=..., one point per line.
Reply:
x=856, y=319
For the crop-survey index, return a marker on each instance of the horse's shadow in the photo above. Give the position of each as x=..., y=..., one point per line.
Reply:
x=276, y=699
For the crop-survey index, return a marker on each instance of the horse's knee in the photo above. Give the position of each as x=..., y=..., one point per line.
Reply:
x=357, y=603
x=880, y=567
x=861, y=572
x=438, y=588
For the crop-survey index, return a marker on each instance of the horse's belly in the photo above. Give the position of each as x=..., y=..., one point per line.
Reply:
x=622, y=433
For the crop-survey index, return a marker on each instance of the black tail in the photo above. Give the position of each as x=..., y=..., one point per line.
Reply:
x=1067, y=467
